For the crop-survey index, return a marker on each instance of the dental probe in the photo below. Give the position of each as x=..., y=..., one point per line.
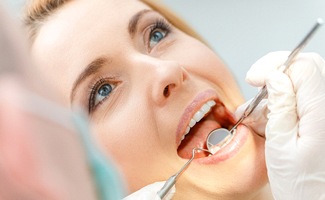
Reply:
x=218, y=136
x=172, y=180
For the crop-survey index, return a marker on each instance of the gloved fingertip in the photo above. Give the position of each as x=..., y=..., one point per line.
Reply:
x=320, y=62
x=256, y=75
x=278, y=84
x=254, y=78
x=170, y=194
x=282, y=106
x=280, y=91
x=240, y=109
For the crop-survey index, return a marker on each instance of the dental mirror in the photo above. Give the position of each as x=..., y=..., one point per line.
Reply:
x=218, y=138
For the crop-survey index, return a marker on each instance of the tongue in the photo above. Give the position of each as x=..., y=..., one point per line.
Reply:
x=197, y=138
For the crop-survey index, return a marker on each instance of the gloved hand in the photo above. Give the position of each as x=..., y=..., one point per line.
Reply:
x=295, y=131
x=257, y=119
x=149, y=192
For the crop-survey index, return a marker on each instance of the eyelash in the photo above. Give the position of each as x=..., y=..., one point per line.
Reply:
x=159, y=24
x=94, y=88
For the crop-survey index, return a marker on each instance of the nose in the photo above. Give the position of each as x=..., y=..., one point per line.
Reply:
x=168, y=77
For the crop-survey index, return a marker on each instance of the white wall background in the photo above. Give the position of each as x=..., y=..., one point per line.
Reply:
x=242, y=31
x=14, y=6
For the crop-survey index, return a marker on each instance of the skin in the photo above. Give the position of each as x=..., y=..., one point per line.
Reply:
x=152, y=85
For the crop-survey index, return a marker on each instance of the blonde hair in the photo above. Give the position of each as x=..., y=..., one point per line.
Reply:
x=38, y=11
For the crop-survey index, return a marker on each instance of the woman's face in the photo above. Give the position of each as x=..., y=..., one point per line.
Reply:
x=142, y=81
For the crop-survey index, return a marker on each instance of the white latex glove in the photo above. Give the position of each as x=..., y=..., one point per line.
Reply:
x=295, y=131
x=149, y=192
x=257, y=119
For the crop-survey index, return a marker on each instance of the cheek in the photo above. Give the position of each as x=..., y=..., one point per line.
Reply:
x=208, y=65
x=198, y=58
x=202, y=62
x=130, y=139
x=119, y=135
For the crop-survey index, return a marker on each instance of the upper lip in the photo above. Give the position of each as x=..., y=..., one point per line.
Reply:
x=191, y=109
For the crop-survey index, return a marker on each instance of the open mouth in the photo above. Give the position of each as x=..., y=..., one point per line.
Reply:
x=212, y=115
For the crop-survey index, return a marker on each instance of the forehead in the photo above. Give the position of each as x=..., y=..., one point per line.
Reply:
x=79, y=20
x=78, y=33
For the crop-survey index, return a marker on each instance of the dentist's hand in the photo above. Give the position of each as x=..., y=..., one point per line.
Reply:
x=295, y=131
x=257, y=119
x=149, y=192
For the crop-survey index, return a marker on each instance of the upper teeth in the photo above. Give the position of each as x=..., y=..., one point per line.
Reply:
x=199, y=115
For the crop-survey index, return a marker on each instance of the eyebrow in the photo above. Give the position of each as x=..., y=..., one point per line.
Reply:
x=98, y=63
x=91, y=68
x=133, y=23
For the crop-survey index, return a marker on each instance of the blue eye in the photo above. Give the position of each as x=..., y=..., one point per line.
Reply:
x=159, y=31
x=156, y=36
x=103, y=92
x=100, y=91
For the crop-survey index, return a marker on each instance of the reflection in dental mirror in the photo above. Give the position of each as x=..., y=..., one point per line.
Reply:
x=218, y=138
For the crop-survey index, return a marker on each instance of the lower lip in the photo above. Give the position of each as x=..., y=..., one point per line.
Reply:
x=228, y=151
